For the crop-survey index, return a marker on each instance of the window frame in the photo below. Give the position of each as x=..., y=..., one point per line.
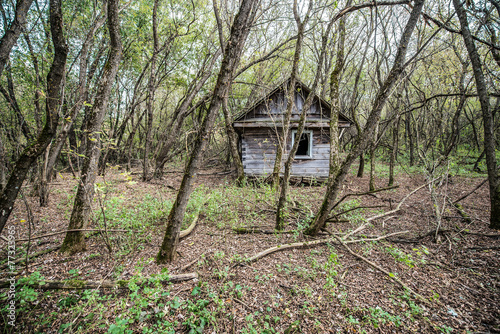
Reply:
x=310, y=155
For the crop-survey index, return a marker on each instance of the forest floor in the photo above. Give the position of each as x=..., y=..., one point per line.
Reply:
x=317, y=289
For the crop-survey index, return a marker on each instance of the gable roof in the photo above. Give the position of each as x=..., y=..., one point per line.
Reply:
x=283, y=86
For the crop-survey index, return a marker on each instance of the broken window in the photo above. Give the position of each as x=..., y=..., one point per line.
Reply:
x=304, y=151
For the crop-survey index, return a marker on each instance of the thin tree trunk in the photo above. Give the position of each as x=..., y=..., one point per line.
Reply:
x=394, y=148
x=75, y=241
x=233, y=143
x=338, y=174
x=11, y=35
x=361, y=167
x=151, y=95
x=373, y=148
x=291, y=94
x=280, y=210
x=54, y=84
x=82, y=95
x=489, y=136
x=238, y=36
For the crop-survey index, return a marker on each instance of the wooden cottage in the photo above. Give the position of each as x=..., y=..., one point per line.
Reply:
x=259, y=125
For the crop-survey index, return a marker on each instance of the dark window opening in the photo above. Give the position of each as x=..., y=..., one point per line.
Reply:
x=304, y=149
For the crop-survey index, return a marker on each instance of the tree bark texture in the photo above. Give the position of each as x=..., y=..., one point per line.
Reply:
x=75, y=241
x=489, y=136
x=238, y=35
x=12, y=34
x=338, y=174
x=52, y=103
x=394, y=148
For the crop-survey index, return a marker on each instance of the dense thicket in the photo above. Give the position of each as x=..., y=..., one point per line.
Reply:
x=167, y=79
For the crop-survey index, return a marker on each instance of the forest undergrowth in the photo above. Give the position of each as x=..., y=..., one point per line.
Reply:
x=318, y=288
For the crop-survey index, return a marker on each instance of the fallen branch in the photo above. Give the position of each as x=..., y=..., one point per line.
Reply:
x=65, y=231
x=390, y=275
x=186, y=232
x=362, y=194
x=398, y=207
x=79, y=284
x=304, y=244
x=358, y=208
x=470, y=193
x=243, y=230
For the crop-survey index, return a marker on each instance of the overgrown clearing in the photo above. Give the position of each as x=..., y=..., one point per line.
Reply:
x=319, y=289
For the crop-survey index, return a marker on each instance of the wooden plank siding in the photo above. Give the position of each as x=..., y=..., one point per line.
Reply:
x=259, y=152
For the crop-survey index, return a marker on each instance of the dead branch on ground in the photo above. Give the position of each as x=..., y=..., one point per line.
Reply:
x=79, y=284
x=471, y=192
x=379, y=268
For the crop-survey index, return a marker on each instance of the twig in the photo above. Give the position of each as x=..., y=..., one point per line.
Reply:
x=242, y=303
x=358, y=208
x=461, y=211
x=32, y=256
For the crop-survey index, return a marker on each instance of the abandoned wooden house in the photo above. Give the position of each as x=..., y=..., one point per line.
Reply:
x=258, y=128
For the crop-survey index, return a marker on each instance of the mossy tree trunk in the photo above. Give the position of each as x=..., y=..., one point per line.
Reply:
x=52, y=103
x=338, y=172
x=488, y=124
x=75, y=241
x=232, y=55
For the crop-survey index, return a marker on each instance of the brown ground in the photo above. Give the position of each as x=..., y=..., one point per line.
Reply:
x=459, y=275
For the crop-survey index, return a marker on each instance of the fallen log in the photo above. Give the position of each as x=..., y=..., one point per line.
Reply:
x=75, y=284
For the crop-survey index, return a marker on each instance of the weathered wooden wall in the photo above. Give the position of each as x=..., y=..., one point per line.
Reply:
x=259, y=150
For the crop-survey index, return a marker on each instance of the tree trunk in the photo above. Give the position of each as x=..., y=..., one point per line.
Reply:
x=394, y=149
x=489, y=136
x=280, y=210
x=291, y=94
x=232, y=54
x=338, y=174
x=54, y=84
x=11, y=35
x=82, y=95
x=151, y=95
x=169, y=138
x=75, y=241
x=361, y=167
x=233, y=143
